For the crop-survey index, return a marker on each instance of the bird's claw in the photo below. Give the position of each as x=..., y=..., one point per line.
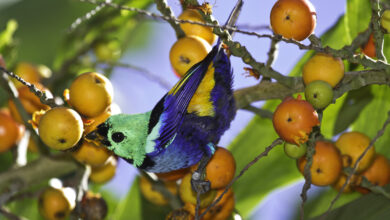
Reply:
x=198, y=184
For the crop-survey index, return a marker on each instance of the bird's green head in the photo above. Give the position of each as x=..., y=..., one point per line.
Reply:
x=125, y=135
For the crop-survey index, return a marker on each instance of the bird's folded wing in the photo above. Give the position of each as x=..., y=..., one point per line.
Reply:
x=168, y=114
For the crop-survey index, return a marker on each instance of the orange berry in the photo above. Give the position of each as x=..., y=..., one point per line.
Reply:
x=53, y=204
x=323, y=67
x=294, y=120
x=9, y=132
x=326, y=167
x=91, y=154
x=91, y=94
x=369, y=48
x=197, y=30
x=28, y=72
x=186, y=52
x=378, y=173
x=104, y=173
x=353, y=145
x=221, y=168
x=294, y=19
x=60, y=128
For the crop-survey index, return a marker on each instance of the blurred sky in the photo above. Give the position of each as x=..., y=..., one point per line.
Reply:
x=135, y=93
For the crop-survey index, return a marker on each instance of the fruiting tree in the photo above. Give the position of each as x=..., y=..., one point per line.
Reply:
x=330, y=112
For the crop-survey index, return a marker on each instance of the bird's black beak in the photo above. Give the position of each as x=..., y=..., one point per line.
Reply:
x=99, y=135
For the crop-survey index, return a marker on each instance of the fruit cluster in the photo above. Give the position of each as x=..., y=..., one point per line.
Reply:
x=194, y=46
x=61, y=128
x=219, y=171
x=295, y=119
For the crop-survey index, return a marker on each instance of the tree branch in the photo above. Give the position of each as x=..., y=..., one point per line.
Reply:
x=16, y=180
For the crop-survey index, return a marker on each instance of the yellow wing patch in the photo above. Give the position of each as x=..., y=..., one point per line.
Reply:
x=201, y=102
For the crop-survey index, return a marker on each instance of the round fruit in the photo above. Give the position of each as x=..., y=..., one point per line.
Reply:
x=9, y=132
x=60, y=128
x=385, y=20
x=294, y=19
x=197, y=30
x=173, y=175
x=326, y=167
x=353, y=144
x=153, y=195
x=188, y=195
x=104, y=173
x=295, y=151
x=378, y=173
x=221, y=168
x=323, y=67
x=319, y=93
x=107, y=50
x=93, y=207
x=91, y=154
x=350, y=187
x=186, y=52
x=294, y=119
x=28, y=72
x=91, y=94
x=369, y=48
x=53, y=205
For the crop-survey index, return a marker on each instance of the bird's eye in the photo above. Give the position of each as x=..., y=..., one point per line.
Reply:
x=117, y=137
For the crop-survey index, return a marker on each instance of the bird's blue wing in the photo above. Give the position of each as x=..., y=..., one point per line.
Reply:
x=169, y=112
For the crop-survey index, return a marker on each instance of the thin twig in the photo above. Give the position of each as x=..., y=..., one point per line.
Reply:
x=371, y=145
x=276, y=142
x=197, y=207
x=13, y=95
x=40, y=94
x=85, y=17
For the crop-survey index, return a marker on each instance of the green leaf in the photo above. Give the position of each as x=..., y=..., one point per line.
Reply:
x=353, y=104
x=270, y=172
x=27, y=208
x=357, y=17
x=6, y=161
x=133, y=200
x=39, y=37
x=371, y=206
x=373, y=116
x=319, y=204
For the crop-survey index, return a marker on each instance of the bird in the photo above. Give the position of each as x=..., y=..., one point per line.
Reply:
x=185, y=126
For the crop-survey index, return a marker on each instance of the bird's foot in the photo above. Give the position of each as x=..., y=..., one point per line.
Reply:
x=199, y=184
